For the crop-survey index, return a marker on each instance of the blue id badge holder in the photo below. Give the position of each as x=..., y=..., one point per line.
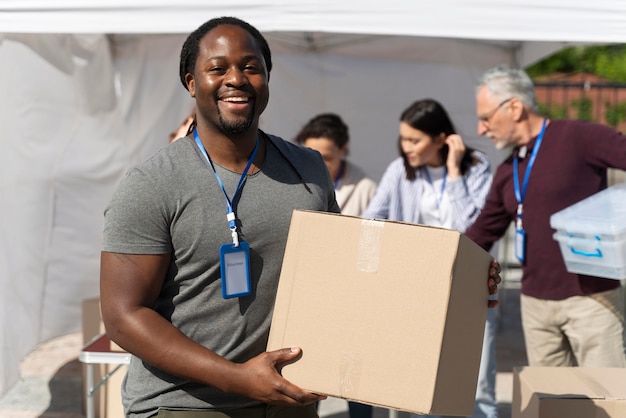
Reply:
x=520, y=244
x=235, y=270
x=520, y=237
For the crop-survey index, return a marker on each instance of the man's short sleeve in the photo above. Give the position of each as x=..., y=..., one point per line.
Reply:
x=136, y=220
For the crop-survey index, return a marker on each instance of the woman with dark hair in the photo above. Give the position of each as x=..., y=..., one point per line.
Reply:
x=439, y=181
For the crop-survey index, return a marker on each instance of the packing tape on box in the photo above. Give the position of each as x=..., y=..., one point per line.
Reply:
x=349, y=374
x=368, y=256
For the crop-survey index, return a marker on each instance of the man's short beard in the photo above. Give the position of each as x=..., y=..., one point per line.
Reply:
x=500, y=145
x=235, y=127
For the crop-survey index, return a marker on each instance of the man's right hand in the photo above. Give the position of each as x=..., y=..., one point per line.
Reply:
x=259, y=378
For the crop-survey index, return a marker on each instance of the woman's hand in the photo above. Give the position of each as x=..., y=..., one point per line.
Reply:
x=455, y=155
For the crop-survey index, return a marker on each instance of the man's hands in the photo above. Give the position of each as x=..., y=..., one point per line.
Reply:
x=493, y=281
x=259, y=378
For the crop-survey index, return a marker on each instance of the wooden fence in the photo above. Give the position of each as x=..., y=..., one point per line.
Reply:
x=601, y=102
x=592, y=100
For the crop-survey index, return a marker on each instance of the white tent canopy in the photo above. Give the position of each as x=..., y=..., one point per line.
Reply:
x=519, y=20
x=91, y=88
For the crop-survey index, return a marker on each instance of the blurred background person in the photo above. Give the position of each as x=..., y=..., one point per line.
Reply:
x=185, y=128
x=328, y=134
x=439, y=181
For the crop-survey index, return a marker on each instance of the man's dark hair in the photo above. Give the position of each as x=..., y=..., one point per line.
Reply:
x=325, y=125
x=191, y=47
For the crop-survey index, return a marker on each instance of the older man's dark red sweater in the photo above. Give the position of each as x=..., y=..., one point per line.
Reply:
x=570, y=166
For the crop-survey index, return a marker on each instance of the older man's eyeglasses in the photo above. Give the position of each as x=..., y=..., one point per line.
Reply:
x=486, y=118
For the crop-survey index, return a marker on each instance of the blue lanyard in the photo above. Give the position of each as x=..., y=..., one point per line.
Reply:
x=230, y=216
x=443, y=184
x=520, y=194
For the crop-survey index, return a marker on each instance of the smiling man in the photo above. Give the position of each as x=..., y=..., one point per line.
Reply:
x=194, y=240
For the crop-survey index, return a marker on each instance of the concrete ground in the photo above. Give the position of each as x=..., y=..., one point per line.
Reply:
x=51, y=376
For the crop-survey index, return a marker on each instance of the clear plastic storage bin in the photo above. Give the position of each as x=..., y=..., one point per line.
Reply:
x=592, y=234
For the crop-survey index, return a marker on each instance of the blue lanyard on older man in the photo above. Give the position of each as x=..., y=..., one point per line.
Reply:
x=520, y=194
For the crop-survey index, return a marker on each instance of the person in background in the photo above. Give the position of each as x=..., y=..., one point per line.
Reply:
x=568, y=319
x=439, y=181
x=228, y=190
x=185, y=128
x=328, y=134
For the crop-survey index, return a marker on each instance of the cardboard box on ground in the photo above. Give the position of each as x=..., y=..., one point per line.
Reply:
x=108, y=399
x=569, y=392
x=387, y=313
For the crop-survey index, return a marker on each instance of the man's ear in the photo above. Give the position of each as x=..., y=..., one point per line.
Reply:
x=519, y=111
x=191, y=84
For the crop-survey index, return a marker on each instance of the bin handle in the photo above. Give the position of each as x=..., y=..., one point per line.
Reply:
x=596, y=253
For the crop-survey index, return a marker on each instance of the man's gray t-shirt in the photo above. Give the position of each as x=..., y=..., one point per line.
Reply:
x=173, y=204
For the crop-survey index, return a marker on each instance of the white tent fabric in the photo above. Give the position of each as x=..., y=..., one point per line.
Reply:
x=69, y=136
x=91, y=88
x=523, y=20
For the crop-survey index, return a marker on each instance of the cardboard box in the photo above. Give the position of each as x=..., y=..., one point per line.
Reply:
x=572, y=392
x=387, y=313
x=108, y=398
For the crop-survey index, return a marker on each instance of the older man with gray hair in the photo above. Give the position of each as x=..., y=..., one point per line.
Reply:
x=568, y=319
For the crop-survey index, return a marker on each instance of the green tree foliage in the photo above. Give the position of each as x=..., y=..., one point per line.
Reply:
x=615, y=113
x=606, y=61
x=583, y=108
x=553, y=111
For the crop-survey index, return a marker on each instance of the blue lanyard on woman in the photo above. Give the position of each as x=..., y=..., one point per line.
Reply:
x=443, y=184
x=230, y=216
x=520, y=193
